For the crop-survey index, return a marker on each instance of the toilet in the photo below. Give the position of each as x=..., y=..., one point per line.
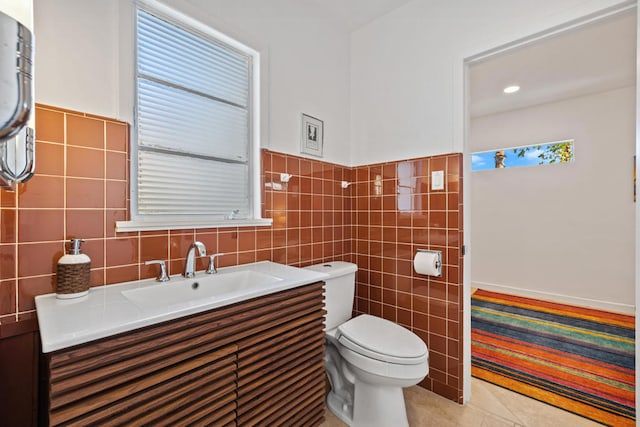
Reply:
x=368, y=359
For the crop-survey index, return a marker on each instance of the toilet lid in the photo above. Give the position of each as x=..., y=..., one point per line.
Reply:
x=381, y=339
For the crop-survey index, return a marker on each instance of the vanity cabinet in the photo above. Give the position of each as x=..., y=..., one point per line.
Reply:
x=257, y=362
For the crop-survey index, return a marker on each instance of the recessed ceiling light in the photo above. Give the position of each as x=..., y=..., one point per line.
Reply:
x=511, y=89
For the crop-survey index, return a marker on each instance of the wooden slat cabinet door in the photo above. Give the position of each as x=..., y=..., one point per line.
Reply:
x=146, y=388
x=281, y=370
x=258, y=362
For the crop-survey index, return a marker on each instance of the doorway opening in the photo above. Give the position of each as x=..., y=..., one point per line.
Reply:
x=564, y=234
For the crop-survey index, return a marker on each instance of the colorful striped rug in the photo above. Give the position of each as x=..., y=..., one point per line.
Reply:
x=578, y=359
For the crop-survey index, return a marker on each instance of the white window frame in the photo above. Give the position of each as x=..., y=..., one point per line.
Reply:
x=140, y=222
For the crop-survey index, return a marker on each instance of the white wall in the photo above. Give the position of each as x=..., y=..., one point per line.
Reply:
x=400, y=78
x=84, y=60
x=76, y=63
x=560, y=231
x=407, y=84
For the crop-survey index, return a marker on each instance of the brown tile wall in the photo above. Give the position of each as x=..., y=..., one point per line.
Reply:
x=81, y=189
x=395, y=212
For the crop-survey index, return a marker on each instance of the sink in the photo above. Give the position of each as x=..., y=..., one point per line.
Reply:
x=122, y=307
x=199, y=290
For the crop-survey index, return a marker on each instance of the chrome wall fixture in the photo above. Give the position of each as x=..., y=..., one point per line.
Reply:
x=18, y=157
x=17, y=139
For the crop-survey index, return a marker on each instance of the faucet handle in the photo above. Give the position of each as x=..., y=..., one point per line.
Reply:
x=211, y=269
x=162, y=276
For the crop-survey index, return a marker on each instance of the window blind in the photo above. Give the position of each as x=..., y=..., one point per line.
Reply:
x=193, y=122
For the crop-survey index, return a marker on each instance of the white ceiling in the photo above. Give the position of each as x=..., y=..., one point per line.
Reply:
x=358, y=13
x=594, y=58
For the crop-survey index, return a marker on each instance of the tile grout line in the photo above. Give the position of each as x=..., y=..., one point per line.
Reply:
x=104, y=208
x=15, y=251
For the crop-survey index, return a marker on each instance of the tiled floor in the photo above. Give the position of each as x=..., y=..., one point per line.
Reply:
x=490, y=406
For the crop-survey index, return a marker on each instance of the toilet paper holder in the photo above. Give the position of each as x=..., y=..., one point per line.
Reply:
x=438, y=254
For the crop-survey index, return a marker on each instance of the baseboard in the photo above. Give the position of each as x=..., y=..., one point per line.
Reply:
x=565, y=299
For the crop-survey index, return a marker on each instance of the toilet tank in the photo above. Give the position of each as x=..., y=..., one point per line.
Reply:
x=340, y=289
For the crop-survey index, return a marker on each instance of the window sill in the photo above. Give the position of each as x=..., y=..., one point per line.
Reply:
x=146, y=225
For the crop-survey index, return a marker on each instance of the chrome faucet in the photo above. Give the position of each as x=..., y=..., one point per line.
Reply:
x=162, y=276
x=212, y=263
x=190, y=264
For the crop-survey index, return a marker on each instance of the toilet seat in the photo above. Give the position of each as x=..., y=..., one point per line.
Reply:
x=379, y=372
x=381, y=340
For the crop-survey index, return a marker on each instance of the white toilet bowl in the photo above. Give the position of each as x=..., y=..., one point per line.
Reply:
x=377, y=359
x=368, y=359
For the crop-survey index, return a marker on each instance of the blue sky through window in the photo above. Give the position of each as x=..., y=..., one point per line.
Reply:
x=532, y=155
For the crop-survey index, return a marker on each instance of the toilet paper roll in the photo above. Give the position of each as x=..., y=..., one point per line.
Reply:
x=427, y=263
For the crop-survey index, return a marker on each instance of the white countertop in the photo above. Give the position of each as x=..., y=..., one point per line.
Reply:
x=106, y=311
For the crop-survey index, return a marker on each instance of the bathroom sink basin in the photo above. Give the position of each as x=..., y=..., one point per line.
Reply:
x=199, y=290
x=122, y=307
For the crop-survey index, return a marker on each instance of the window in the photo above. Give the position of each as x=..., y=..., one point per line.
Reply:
x=196, y=151
x=530, y=155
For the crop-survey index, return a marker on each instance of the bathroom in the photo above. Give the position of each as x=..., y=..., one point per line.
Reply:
x=315, y=60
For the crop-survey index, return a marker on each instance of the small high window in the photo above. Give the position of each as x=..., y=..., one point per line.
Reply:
x=530, y=155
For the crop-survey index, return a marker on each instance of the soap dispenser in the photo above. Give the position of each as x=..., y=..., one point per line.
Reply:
x=73, y=273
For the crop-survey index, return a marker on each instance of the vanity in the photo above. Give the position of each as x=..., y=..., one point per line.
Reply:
x=242, y=347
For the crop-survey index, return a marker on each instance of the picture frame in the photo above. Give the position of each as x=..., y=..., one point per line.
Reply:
x=312, y=136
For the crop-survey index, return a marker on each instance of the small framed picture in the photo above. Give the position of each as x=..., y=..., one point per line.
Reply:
x=311, y=137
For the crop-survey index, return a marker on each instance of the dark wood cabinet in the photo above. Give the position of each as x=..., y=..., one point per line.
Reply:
x=257, y=362
x=19, y=349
